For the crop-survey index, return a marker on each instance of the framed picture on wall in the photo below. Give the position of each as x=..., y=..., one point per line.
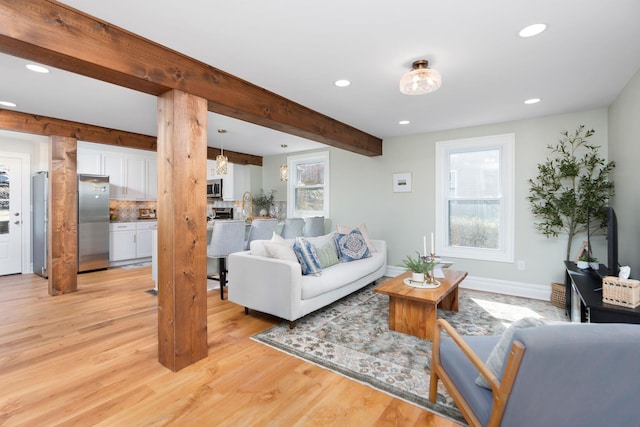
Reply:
x=402, y=182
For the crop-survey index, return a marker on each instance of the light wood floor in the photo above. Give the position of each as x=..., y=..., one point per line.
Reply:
x=90, y=358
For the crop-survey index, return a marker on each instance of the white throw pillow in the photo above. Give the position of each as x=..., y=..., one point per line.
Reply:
x=280, y=251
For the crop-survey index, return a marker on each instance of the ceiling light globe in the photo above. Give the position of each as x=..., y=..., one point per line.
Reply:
x=420, y=80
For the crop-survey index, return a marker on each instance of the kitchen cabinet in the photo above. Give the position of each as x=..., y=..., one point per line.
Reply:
x=122, y=241
x=234, y=183
x=133, y=174
x=130, y=242
x=144, y=231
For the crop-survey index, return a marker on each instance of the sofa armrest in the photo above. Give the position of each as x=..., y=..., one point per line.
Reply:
x=269, y=285
x=500, y=389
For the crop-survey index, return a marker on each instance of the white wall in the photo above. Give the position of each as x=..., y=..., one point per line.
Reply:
x=624, y=149
x=361, y=191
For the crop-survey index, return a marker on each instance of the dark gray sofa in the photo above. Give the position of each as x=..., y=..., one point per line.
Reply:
x=568, y=375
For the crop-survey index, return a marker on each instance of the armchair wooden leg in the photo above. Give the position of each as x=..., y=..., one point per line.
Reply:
x=292, y=324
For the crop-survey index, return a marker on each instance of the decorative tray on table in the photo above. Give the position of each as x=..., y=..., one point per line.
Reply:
x=422, y=285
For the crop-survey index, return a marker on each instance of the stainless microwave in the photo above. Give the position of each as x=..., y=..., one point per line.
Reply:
x=214, y=189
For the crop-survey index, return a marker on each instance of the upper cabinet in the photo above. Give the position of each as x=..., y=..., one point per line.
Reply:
x=234, y=183
x=132, y=173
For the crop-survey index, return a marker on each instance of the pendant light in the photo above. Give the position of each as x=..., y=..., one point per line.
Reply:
x=284, y=169
x=221, y=159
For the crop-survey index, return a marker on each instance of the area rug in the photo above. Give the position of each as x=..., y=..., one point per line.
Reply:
x=351, y=337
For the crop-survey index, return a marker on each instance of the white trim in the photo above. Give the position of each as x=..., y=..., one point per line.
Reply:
x=518, y=289
x=292, y=161
x=506, y=144
x=26, y=264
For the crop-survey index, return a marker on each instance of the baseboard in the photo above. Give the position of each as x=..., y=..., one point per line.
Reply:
x=506, y=287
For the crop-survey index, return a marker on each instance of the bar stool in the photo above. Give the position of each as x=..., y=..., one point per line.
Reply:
x=261, y=229
x=292, y=228
x=313, y=226
x=227, y=237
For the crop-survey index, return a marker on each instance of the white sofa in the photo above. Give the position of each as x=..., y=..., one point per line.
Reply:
x=277, y=286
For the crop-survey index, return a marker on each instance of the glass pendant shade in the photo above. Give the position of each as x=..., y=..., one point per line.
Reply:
x=420, y=79
x=221, y=164
x=284, y=173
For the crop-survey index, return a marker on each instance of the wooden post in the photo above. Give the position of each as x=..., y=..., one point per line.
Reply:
x=62, y=228
x=182, y=266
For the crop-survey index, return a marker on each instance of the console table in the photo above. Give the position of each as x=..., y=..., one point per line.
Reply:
x=583, y=295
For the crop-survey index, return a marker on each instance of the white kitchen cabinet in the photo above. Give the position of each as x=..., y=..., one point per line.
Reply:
x=152, y=177
x=136, y=178
x=130, y=242
x=89, y=160
x=234, y=183
x=122, y=241
x=144, y=232
x=113, y=165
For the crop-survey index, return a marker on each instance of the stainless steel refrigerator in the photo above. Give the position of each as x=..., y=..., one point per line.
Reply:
x=93, y=222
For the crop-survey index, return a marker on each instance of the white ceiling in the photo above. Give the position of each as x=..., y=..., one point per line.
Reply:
x=297, y=49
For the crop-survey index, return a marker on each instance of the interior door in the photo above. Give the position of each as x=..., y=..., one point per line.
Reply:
x=10, y=215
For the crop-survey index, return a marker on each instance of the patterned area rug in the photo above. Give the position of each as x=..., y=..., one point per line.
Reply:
x=351, y=337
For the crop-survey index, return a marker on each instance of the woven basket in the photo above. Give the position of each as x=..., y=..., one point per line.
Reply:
x=558, y=295
x=621, y=292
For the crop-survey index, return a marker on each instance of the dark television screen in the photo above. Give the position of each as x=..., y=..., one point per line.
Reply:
x=612, y=243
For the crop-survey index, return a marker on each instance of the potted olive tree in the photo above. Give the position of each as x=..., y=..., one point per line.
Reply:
x=572, y=189
x=262, y=202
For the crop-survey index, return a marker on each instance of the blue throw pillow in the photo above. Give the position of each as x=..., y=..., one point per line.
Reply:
x=307, y=257
x=351, y=246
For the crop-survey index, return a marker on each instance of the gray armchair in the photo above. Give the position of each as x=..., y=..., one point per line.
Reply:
x=313, y=226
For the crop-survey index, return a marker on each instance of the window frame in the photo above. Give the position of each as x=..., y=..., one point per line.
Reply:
x=292, y=163
x=505, y=143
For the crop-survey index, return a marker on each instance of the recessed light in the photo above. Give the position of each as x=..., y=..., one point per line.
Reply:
x=532, y=101
x=8, y=104
x=342, y=83
x=37, y=68
x=404, y=122
x=532, y=30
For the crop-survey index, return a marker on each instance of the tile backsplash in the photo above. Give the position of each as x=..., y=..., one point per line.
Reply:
x=129, y=210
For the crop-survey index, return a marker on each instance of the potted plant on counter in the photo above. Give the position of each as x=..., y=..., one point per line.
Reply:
x=262, y=202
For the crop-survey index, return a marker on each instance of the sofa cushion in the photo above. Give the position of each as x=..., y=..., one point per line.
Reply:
x=495, y=361
x=307, y=256
x=351, y=246
x=363, y=229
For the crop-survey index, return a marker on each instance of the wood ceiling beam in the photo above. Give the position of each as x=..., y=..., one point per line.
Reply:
x=55, y=34
x=49, y=126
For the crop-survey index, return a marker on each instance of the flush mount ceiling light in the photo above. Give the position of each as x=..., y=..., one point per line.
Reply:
x=404, y=122
x=221, y=159
x=284, y=169
x=420, y=79
x=37, y=68
x=8, y=104
x=342, y=83
x=532, y=101
x=532, y=30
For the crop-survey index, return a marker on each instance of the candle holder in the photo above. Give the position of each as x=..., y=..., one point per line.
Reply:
x=429, y=271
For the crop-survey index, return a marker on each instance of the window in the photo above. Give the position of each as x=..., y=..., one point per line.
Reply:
x=308, y=185
x=474, y=198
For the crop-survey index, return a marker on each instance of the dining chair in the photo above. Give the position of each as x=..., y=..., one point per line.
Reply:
x=292, y=228
x=227, y=237
x=261, y=229
x=313, y=226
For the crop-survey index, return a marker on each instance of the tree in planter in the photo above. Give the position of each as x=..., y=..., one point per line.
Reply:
x=572, y=188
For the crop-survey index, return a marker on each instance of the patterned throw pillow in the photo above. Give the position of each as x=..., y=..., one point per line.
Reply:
x=496, y=359
x=307, y=256
x=351, y=246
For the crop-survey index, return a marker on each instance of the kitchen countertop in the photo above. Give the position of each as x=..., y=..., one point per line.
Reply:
x=134, y=220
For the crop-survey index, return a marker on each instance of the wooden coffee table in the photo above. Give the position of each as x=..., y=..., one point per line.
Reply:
x=413, y=311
